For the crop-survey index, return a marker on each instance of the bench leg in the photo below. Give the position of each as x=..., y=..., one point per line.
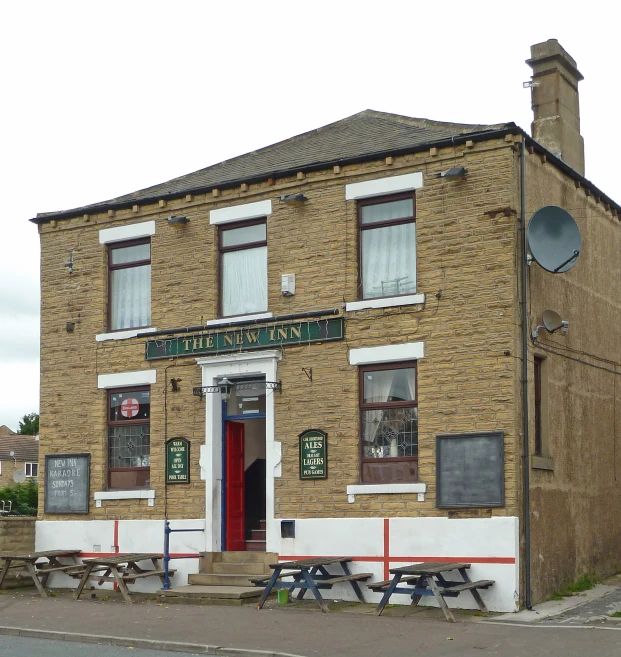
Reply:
x=475, y=594
x=353, y=583
x=269, y=587
x=441, y=601
x=121, y=584
x=83, y=581
x=421, y=583
x=5, y=570
x=35, y=578
x=311, y=585
x=386, y=597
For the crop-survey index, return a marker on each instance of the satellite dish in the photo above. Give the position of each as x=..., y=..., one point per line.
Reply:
x=19, y=476
x=554, y=239
x=552, y=321
x=11, y=453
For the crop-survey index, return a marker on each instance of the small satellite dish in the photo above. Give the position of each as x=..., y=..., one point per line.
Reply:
x=554, y=239
x=552, y=321
x=11, y=453
x=19, y=476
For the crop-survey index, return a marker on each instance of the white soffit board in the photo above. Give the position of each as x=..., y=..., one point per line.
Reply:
x=241, y=212
x=125, y=379
x=380, y=186
x=129, y=232
x=392, y=353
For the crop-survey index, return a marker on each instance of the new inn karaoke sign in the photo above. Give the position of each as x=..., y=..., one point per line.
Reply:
x=243, y=339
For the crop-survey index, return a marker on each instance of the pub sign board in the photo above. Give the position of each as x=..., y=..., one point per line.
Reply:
x=67, y=483
x=177, y=461
x=313, y=454
x=246, y=338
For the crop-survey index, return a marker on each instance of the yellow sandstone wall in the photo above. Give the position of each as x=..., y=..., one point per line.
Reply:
x=466, y=266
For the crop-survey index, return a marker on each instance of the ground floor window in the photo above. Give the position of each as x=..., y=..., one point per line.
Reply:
x=389, y=423
x=129, y=442
x=32, y=469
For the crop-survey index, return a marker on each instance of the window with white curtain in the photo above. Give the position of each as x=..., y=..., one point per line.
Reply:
x=387, y=246
x=243, y=268
x=389, y=423
x=129, y=304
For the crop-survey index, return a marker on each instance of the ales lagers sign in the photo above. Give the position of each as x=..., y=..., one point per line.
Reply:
x=177, y=461
x=243, y=339
x=313, y=454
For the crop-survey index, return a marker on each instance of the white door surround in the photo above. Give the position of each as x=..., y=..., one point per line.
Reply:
x=250, y=363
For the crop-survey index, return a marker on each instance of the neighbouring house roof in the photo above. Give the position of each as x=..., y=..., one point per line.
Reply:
x=358, y=137
x=25, y=448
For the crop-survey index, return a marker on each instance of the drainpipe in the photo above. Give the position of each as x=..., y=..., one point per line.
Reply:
x=526, y=464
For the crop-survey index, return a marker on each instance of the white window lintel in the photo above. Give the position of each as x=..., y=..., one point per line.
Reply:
x=391, y=353
x=127, y=232
x=381, y=186
x=126, y=379
x=241, y=212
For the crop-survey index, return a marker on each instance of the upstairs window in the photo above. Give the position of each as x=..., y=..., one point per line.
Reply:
x=243, y=268
x=389, y=423
x=129, y=303
x=129, y=438
x=387, y=246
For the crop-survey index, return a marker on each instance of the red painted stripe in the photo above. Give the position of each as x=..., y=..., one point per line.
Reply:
x=380, y=559
x=176, y=555
x=116, y=536
x=386, y=547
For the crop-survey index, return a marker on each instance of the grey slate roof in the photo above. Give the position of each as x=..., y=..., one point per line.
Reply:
x=26, y=448
x=358, y=137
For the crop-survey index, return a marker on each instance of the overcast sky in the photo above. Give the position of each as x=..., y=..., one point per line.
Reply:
x=104, y=98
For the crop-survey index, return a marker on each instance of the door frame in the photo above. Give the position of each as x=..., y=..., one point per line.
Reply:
x=236, y=365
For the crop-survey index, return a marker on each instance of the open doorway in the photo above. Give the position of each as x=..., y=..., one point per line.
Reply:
x=244, y=454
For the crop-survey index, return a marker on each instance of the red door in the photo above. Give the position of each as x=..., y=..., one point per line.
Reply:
x=235, y=529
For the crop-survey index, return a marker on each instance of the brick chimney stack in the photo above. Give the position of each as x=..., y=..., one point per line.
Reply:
x=555, y=102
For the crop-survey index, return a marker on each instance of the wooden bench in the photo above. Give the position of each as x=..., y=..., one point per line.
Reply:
x=40, y=571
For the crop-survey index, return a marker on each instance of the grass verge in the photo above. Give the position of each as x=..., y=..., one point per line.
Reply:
x=584, y=583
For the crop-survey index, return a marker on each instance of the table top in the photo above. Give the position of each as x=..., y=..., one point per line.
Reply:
x=117, y=559
x=33, y=556
x=429, y=568
x=310, y=563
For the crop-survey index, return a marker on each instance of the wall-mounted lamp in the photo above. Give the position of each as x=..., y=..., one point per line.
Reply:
x=552, y=322
x=174, y=384
x=177, y=221
x=294, y=198
x=455, y=172
x=225, y=387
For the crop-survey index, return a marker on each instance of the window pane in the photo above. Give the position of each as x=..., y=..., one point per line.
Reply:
x=125, y=254
x=244, y=281
x=130, y=297
x=134, y=405
x=35, y=469
x=247, y=398
x=387, y=211
x=245, y=235
x=389, y=385
x=390, y=433
x=128, y=447
x=388, y=261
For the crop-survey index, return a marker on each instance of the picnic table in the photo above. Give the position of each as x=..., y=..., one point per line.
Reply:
x=49, y=564
x=427, y=578
x=310, y=575
x=122, y=569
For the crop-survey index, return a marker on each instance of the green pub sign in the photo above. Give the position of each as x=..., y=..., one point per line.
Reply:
x=177, y=461
x=313, y=454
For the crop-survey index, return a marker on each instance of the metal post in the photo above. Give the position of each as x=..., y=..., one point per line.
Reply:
x=167, y=531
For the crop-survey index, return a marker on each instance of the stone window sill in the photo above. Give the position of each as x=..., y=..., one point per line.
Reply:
x=123, y=335
x=148, y=495
x=386, y=302
x=383, y=489
x=543, y=463
x=239, y=319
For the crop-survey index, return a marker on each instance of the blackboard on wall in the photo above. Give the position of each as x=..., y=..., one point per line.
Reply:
x=470, y=470
x=67, y=483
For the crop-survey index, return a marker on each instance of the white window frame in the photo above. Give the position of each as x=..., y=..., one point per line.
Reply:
x=31, y=463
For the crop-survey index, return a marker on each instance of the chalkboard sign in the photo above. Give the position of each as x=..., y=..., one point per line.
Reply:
x=470, y=470
x=67, y=483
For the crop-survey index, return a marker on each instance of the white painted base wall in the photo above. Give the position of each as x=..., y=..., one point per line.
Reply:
x=94, y=536
x=490, y=544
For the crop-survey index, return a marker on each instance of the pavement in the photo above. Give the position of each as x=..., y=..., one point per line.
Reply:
x=565, y=628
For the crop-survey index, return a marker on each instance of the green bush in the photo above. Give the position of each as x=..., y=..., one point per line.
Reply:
x=24, y=498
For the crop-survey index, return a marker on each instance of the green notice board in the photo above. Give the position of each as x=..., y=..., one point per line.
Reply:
x=177, y=461
x=313, y=454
